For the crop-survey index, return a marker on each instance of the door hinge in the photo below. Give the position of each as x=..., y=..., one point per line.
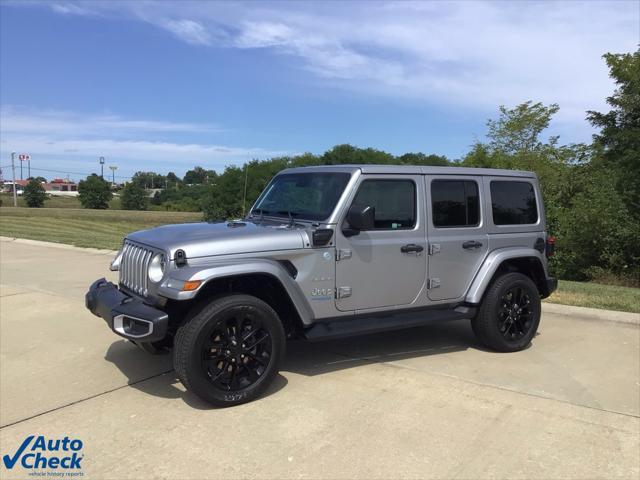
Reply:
x=434, y=248
x=343, y=253
x=343, y=292
x=433, y=283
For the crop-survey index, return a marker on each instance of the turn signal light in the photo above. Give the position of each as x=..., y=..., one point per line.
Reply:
x=191, y=285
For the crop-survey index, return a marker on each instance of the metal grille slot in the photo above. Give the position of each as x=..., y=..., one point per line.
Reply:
x=134, y=266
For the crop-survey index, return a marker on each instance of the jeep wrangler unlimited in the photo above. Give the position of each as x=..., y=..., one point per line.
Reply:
x=328, y=252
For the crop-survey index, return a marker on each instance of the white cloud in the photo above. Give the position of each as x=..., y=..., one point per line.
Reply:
x=189, y=31
x=71, y=141
x=475, y=53
x=29, y=121
x=465, y=54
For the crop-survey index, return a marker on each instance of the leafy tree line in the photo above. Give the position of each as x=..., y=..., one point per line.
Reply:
x=591, y=191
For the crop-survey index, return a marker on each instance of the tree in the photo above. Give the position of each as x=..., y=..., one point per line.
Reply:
x=199, y=176
x=94, y=192
x=619, y=137
x=34, y=194
x=40, y=179
x=133, y=197
x=422, y=159
x=149, y=179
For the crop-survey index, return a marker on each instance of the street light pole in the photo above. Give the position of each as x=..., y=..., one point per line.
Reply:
x=102, y=167
x=113, y=175
x=13, y=169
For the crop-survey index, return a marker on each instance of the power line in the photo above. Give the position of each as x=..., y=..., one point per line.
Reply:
x=69, y=172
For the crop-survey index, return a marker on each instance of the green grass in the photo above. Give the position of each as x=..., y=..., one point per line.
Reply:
x=54, y=201
x=106, y=229
x=596, y=295
x=81, y=227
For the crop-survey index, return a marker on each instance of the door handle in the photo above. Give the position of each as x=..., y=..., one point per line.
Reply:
x=472, y=244
x=411, y=247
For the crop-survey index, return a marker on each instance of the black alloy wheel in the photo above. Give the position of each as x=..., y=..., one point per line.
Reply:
x=229, y=350
x=237, y=352
x=514, y=315
x=509, y=315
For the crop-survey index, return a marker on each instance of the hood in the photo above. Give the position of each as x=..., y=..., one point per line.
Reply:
x=207, y=239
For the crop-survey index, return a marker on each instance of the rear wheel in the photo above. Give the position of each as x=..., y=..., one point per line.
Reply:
x=509, y=315
x=230, y=351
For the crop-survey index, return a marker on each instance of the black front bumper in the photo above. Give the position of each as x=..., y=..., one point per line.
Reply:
x=127, y=316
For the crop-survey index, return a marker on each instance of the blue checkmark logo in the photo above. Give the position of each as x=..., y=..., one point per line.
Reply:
x=10, y=462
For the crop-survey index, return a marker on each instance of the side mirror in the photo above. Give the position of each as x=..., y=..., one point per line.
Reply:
x=360, y=218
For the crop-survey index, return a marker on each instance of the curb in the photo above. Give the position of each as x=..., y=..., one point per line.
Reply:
x=592, y=313
x=63, y=246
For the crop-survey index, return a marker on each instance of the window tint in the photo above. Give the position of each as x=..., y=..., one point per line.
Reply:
x=513, y=203
x=455, y=203
x=394, y=201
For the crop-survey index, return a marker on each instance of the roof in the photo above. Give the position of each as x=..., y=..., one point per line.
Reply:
x=411, y=170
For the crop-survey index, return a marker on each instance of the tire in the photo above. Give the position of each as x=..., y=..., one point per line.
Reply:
x=230, y=351
x=502, y=323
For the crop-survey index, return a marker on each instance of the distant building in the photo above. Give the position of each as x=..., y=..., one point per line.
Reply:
x=60, y=186
x=57, y=186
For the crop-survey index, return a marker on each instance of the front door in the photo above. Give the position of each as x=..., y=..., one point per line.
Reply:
x=385, y=266
x=458, y=241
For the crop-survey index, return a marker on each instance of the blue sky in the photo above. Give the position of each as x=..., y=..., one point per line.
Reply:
x=164, y=86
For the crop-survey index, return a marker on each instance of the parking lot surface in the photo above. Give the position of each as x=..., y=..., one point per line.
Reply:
x=420, y=403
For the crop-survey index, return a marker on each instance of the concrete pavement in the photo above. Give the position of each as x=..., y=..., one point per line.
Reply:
x=421, y=403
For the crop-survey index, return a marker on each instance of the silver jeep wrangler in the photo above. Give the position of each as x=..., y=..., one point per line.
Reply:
x=329, y=252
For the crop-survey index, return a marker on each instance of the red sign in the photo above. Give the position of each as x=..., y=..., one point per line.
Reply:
x=24, y=157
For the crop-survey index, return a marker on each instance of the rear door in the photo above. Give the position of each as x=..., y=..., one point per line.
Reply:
x=385, y=266
x=458, y=240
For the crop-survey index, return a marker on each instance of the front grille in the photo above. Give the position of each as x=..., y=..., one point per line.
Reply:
x=134, y=266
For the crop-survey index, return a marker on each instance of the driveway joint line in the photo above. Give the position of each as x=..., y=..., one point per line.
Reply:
x=84, y=399
x=371, y=360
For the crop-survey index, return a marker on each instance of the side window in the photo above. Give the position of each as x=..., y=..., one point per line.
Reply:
x=394, y=201
x=513, y=203
x=455, y=203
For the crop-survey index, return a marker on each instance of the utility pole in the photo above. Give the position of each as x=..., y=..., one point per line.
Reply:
x=13, y=169
x=113, y=175
x=102, y=167
x=29, y=166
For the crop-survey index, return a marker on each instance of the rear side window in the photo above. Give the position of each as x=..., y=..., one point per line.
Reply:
x=513, y=203
x=455, y=203
x=394, y=201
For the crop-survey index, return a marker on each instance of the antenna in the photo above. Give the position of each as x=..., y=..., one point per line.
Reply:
x=244, y=196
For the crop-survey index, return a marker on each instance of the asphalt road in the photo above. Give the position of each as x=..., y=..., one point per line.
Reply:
x=421, y=403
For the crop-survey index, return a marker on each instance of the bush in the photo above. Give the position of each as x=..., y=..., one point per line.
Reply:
x=133, y=197
x=34, y=194
x=94, y=192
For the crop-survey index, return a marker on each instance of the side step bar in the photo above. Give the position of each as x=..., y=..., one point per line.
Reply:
x=365, y=324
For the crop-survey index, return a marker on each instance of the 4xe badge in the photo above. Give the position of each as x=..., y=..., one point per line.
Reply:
x=38, y=452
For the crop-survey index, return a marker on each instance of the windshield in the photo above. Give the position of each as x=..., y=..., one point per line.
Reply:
x=305, y=196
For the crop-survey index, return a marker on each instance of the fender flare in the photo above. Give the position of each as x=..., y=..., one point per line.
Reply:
x=490, y=267
x=235, y=268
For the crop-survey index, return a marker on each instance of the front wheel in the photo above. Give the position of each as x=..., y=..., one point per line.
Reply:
x=230, y=351
x=509, y=315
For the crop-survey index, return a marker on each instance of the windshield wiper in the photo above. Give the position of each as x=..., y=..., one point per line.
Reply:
x=260, y=211
x=290, y=215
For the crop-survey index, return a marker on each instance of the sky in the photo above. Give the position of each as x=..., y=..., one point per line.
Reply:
x=164, y=86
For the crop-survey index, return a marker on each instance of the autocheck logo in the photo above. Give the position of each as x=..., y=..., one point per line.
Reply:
x=40, y=453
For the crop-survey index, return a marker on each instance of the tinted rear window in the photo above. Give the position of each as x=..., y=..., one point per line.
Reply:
x=513, y=203
x=455, y=203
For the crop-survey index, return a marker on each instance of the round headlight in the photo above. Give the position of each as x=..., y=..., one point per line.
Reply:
x=156, y=267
